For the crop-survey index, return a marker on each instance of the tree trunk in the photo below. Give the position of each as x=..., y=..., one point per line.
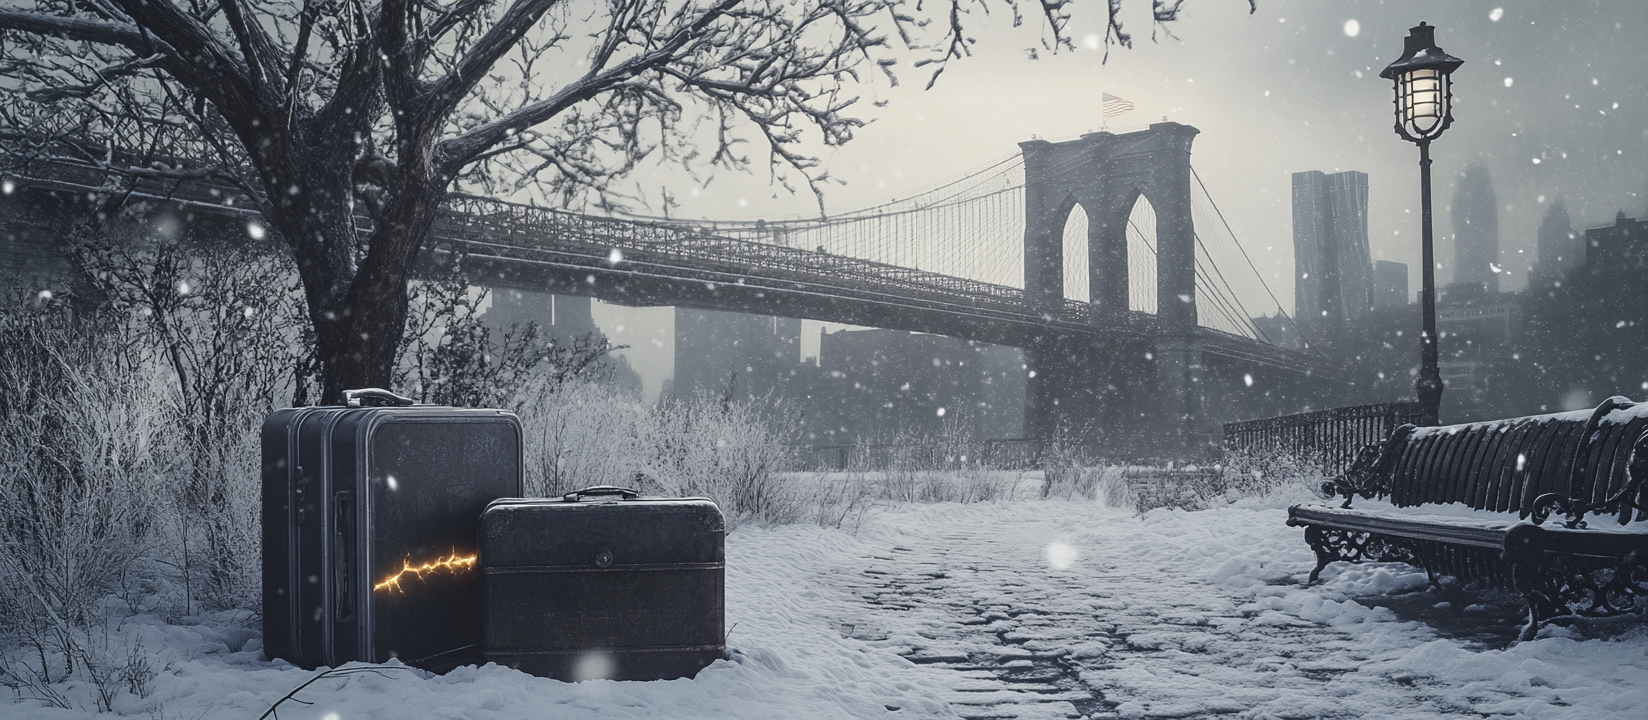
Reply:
x=359, y=348
x=358, y=312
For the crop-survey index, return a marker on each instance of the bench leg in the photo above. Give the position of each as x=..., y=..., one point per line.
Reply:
x=1566, y=586
x=1332, y=545
x=1323, y=547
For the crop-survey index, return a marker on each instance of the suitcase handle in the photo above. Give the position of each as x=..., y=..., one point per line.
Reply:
x=377, y=396
x=625, y=493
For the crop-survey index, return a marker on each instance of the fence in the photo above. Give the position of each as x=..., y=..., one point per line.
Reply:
x=1327, y=439
x=1000, y=454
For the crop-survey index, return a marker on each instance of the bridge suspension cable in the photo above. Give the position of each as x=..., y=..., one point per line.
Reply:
x=973, y=228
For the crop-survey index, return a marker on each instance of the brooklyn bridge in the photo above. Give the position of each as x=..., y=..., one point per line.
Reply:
x=1144, y=322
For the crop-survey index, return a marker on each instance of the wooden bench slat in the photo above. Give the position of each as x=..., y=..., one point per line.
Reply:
x=1591, y=478
x=1421, y=451
x=1547, y=445
x=1465, y=485
x=1488, y=476
x=1614, y=479
x=1554, y=477
x=1437, y=475
x=1476, y=536
x=1469, y=465
x=1528, y=462
x=1432, y=477
x=1518, y=439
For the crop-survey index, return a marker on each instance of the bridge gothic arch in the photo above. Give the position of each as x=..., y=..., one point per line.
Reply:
x=1106, y=174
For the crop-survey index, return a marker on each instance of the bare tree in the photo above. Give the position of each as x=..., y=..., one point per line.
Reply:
x=325, y=109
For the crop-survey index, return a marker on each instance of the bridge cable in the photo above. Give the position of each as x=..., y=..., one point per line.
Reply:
x=1250, y=264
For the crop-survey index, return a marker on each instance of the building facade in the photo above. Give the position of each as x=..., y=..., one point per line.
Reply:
x=1390, y=284
x=1333, y=272
x=749, y=355
x=1475, y=214
x=879, y=386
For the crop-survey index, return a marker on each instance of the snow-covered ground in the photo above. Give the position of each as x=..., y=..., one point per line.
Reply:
x=1024, y=608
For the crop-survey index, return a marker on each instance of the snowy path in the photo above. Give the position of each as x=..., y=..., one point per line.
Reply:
x=1022, y=609
x=1065, y=610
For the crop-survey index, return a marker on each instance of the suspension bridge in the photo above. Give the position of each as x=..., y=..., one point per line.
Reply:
x=1104, y=258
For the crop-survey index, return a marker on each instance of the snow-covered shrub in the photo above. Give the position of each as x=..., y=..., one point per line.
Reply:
x=1278, y=478
x=731, y=451
x=223, y=326
x=86, y=455
x=1069, y=468
x=581, y=434
x=584, y=433
x=839, y=499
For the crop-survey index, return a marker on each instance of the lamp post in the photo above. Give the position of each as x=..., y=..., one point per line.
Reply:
x=1424, y=99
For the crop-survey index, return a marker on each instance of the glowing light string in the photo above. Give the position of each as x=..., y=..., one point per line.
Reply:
x=453, y=563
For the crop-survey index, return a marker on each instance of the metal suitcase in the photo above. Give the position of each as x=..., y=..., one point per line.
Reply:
x=369, y=526
x=602, y=583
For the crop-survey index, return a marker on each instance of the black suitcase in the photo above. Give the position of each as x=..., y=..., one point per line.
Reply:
x=369, y=526
x=617, y=586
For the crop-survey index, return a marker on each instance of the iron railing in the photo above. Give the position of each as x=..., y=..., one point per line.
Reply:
x=1325, y=439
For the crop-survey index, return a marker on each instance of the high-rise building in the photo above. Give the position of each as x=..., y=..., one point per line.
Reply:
x=1333, y=273
x=1476, y=229
x=1390, y=284
x=889, y=385
x=751, y=354
x=1618, y=249
x=1560, y=248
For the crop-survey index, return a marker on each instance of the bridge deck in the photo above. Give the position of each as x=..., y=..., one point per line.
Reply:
x=666, y=263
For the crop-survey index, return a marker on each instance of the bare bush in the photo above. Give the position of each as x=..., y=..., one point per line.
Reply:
x=1278, y=477
x=730, y=451
x=736, y=453
x=838, y=500
x=580, y=434
x=224, y=324
x=85, y=458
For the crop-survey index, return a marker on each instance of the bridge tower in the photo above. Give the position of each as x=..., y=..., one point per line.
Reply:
x=1125, y=391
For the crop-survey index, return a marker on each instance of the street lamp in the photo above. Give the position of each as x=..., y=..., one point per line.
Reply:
x=1424, y=99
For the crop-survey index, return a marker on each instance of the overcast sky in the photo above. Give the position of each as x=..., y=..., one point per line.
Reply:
x=1292, y=87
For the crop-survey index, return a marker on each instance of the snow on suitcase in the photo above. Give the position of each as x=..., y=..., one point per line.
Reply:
x=603, y=584
x=369, y=525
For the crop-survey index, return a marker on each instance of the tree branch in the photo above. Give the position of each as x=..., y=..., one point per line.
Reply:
x=79, y=28
x=453, y=154
x=255, y=47
x=445, y=94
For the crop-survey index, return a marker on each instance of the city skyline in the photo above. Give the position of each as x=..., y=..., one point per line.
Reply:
x=1285, y=89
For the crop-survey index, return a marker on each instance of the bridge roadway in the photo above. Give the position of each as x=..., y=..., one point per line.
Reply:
x=641, y=263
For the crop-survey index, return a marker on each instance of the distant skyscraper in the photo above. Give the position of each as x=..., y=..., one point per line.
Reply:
x=1560, y=248
x=1476, y=229
x=1333, y=274
x=1390, y=284
x=715, y=350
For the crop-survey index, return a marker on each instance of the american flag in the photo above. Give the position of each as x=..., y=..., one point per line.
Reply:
x=1114, y=106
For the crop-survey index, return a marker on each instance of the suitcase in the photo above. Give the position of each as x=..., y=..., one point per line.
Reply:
x=602, y=583
x=369, y=526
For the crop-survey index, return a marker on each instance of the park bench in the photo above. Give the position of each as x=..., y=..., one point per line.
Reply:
x=1471, y=501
